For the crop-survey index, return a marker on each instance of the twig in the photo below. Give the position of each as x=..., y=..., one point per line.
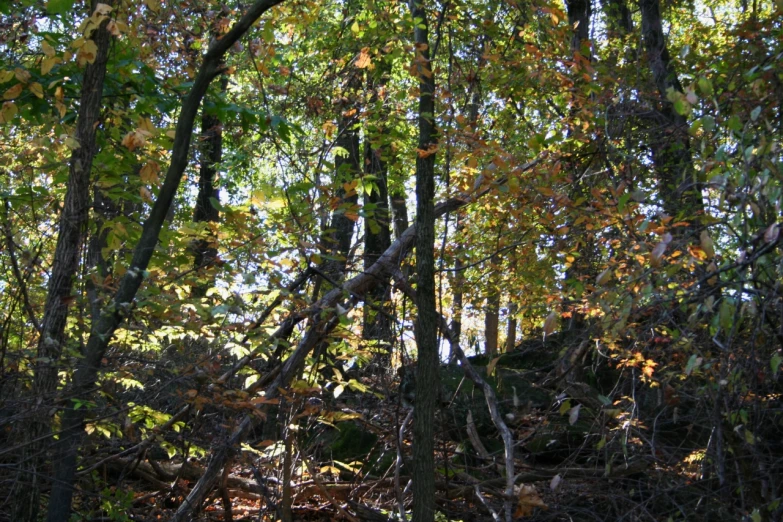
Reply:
x=492, y=512
x=398, y=466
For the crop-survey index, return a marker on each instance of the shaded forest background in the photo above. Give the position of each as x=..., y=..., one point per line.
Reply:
x=454, y=260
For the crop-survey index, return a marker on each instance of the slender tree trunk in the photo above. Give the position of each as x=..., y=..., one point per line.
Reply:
x=427, y=369
x=582, y=268
x=377, y=234
x=399, y=208
x=457, y=283
x=71, y=232
x=511, y=329
x=211, y=147
x=491, y=323
x=336, y=243
x=579, y=12
x=102, y=331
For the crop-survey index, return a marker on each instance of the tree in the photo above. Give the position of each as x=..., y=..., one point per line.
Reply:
x=588, y=166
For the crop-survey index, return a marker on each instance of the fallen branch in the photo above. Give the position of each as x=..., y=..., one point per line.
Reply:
x=324, y=319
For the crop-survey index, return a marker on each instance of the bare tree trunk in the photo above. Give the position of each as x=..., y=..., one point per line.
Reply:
x=511, y=329
x=336, y=242
x=583, y=267
x=427, y=368
x=112, y=316
x=377, y=234
x=491, y=322
x=67, y=256
x=399, y=208
x=211, y=147
x=579, y=12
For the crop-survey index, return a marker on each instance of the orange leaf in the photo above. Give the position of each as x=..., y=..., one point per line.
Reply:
x=363, y=60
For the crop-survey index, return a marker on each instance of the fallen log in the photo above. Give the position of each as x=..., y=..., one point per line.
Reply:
x=324, y=318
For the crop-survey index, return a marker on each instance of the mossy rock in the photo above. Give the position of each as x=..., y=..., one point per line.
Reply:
x=350, y=442
x=559, y=439
x=462, y=395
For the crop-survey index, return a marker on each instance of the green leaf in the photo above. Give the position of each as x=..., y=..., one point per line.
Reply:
x=705, y=85
x=774, y=364
x=754, y=114
x=216, y=204
x=693, y=363
x=682, y=107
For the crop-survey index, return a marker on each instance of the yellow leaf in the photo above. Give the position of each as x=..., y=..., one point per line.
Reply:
x=697, y=252
x=707, y=244
x=48, y=63
x=36, y=89
x=149, y=173
x=772, y=233
x=8, y=111
x=550, y=323
x=145, y=124
x=604, y=277
x=70, y=142
x=87, y=53
x=102, y=9
x=47, y=49
x=432, y=149
x=113, y=28
x=22, y=75
x=134, y=140
x=13, y=92
x=491, y=365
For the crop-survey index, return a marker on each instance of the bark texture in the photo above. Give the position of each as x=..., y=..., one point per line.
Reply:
x=427, y=368
x=377, y=234
x=671, y=151
x=72, y=227
x=211, y=148
x=112, y=316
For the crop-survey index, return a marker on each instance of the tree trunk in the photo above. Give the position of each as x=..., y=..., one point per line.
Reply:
x=671, y=151
x=583, y=267
x=491, y=323
x=67, y=256
x=211, y=148
x=399, y=208
x=377, y=236
x=102, y=331
x=427, y=369
x=511, y=330
x=336, y=242
x=579, y=12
